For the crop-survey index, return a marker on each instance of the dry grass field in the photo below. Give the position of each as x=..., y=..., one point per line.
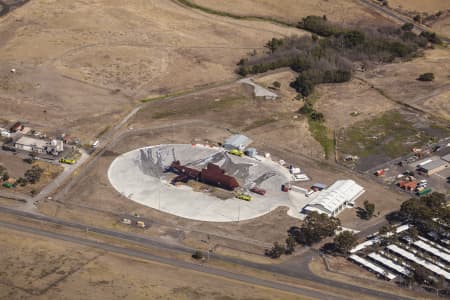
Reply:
x=428, y=6
x=79, y=75
x=399, y=82
x=51, y=269
x=343, y=11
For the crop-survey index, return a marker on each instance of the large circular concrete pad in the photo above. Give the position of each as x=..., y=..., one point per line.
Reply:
x=140, y=176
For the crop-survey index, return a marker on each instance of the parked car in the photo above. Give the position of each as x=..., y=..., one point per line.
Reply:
x=244, y=197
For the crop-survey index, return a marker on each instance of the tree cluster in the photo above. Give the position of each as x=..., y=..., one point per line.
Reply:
x=345, y=241
x=315, y=228
x=423, y=211
x=3, y=173
x=426, y=77
x=33, y=175
x=329, y=59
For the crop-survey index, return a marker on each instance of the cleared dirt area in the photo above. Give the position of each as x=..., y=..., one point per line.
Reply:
x=345, y=104
x=428, y=6
x=347, y=11
x=37, y=268
x=79, y=77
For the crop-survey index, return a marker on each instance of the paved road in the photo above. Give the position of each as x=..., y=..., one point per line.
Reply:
x=172, y=262
x=401, y=19
x=297, y=267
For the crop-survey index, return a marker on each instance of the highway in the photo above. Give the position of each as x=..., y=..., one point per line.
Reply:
x=296, y=268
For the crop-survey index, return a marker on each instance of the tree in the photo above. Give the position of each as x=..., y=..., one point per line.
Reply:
x=276, y=251
x=274, y=44
x=426, y=77
x=33, y=175
x=277, y=84
x=316, y=227
x=197, y=254
x=5, y=176
x=290, y=244
x=344, y=241
x=413, y=233
x=369, y=209
x=408, y=26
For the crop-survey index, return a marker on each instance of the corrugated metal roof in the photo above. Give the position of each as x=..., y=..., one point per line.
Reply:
x=238, y=140
x=434, y=164
x=337, y=194
x=446, y=157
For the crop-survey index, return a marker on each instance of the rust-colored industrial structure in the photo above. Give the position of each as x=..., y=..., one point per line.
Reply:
x=212, y=175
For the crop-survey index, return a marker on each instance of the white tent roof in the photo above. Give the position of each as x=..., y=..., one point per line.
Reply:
x=238, y=141
x=337, y=194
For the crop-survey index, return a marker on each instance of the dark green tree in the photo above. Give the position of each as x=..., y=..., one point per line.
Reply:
x=426, y=77
x=369, y=209
x=344, y=241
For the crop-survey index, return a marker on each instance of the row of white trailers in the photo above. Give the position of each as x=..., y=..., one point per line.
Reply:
x=427, y=254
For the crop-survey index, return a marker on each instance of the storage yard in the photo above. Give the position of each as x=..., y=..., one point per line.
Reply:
x=141, y=175
x=403, y=254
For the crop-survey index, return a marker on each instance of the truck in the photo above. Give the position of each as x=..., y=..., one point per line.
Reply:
x=236, y=152
x=424, y=192
x=67, y=161
x=301, y=177
x=244, y=197
x=294, y=170
x=7, y=185
x=258, y=190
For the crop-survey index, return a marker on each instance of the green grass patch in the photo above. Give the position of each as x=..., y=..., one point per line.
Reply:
x=321, y=134
x=390, y=134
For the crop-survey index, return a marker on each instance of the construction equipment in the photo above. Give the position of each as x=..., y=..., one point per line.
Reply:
x=244, y=197
x=7, y=185
x=67, y=161
x=424, y=192
x=126, y=221
x=140, y=224
x=258, y=190
x=236, y=152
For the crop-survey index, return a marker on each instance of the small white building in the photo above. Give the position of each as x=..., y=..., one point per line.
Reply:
x=334, y=199
x=53, y=147
x=237, y=141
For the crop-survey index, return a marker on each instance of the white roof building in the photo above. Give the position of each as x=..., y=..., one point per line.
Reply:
x=237, y=141
x=334, y=199
x=41, y=146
